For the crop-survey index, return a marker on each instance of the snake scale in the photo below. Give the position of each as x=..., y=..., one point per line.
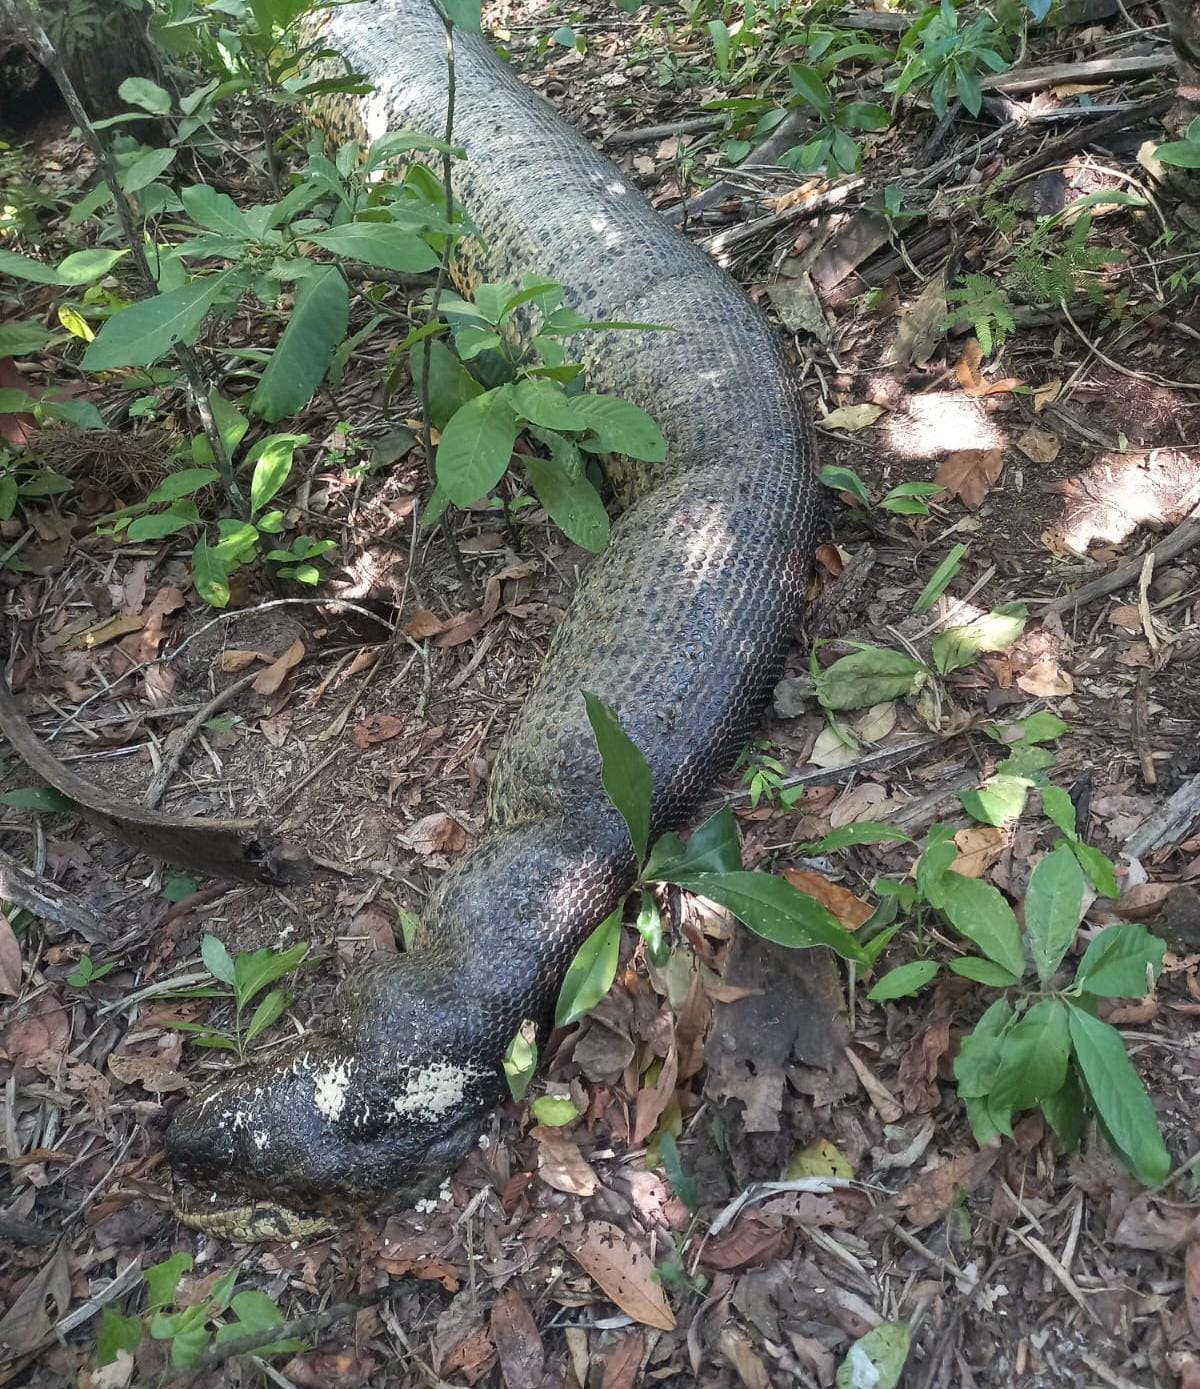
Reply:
x=680, y=625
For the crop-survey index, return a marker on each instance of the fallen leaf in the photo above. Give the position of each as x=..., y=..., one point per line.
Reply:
x=970, y=475
x=850, y=910
x=623, y=1271
x=269, y=680
x=819, y=1159
x=167, y=600
x=1160, y=1226
x=150, y=1072
x=919, y=1066
x=654, y=1099
x=10, y=959
x=518, y=1344
x=1047, y=394
x=422, y=624
x=754, y=1241
x=880, y=1096
x=970, y=375
x=1191, y=1283
x=1047, y=679
x=921, y=325
x=852, y=418
x=438, y=833
x=623, y=1361
x=979, y=847
x=1039, y=445
x=233, y=659
x=735, y=1346
x=103, y=632
x=25, y=1325
x=799, y=306
x=379, y=728
x=930, y=1196
x=560, y=1163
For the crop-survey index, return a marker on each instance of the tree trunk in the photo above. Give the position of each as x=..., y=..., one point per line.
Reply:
x=102, y=42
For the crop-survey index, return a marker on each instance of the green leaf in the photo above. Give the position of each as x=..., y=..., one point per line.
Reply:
x=210, y=578
x=272, y=459
x=1053, y=909
x=684, y=1186
x=464, y=14
x=82, y=267
x=876, y=1360
x=36, y=798
x=305, y=349
x=1001, y=800
x=270, y=1010
x=22, y=268
x=162, y=1280
x=139, y=335
x=591, y=973
x=868, y=677
x=978, y=912
x=1059, y=808
x=1122, y=961
x=846, y=480
x=995, y=631
x=1042, y=727
x=864, y=115
x=217, y=212
x=8, y=496
x=178, y=889
x=713, y=848
x=978, y=1056
x=117, y=1333
x=806, y=83
x=621, y=427
x=545, y=403
x=140, y=91
x=20, y=339
x=775, y=910
x=217, y=959
x=1119, y=1097
x=1033, y=1060
x=1183, y=154
x=381, y=244
x=184, y=483
x=1066, y=1113
x=476, y=447
x=649, y=926
x=254, y=970
x=905, y=980
x=178, y=517
x=939, y=580
x=858, y=832
x=624, y=772
x=572, y=503
x=554, y=1111
x=142, y=167
x=984, y=972
x=1098, y=867
x=451, y=385
x=520, y=1062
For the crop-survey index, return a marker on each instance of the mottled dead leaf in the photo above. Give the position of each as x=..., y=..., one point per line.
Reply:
x=379, y=728
x=26, y=1325
x=150, y=1072
x=850, y=910
x=1046, y=679
x=921, y=325
x=623, y=1271
x=518, y=1344
x=931, y=1195
x=560, y=1163
x=234, y=660
x=969, y=373
x=623, y=1361
x=10, y=959
x=754, y=1241
x=422, y=624
x=978, y=848
x=852, y=418
x=970, y=475
x=270, y=680
x=438, y=833
x=1039, y=445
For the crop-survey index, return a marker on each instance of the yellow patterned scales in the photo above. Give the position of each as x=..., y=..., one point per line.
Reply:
x=680, y=625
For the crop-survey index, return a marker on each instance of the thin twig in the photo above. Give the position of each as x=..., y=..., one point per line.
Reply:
x=183, y=740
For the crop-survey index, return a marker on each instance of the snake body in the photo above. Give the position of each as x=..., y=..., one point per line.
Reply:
x=680, y=625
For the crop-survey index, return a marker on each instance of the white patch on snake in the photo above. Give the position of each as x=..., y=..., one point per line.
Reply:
x=329, y=1088
x=434, y=1090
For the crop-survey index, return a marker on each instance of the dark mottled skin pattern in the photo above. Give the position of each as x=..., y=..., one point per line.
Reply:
x=681, y=625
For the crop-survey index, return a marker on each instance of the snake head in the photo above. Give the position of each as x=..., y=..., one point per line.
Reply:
x=322, y=1127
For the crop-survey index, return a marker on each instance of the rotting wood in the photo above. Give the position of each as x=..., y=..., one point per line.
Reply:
x=47, y=900
x=1102, y=71
x=1171, y=823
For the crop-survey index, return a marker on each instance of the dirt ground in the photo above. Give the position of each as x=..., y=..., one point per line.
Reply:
x=366, y=739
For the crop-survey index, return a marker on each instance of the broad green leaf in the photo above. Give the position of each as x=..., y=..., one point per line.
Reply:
x=185, y=483
x=554, y=1111
x=1059, y=809
x=254, y=970
x=1122, y=961
x=117, y=1333
x=1098, y=867
x=217, y=212
x=451, y=385
x=984, y=972
x=649, y=926
x=572, y=503
x=476, y=447
x=140, y=91
x=520, y=1062
x=978, y=1056
x=139, y=169
x=1053, y=909
x=621, y=427
x=1119, y=1097
x=1066, y=1113
x=1183, y=154
x=8, y=496
x=217, y=959
x=1001, y=800
x=178, y=889
x=381, y=244
x=868, y=677
x=139, y=335
x=20, y=339
x=181, y=515
x=1042, y=727
x=775, y=910
x=82, y=267
x=464, y=14
x=905, y=980
x=209, y=575
x=162, y=1280
x=545, y=403
x=272, y=459
x=305, y=349
x=43, y=798
x=846, y=480
x=978, y=911
x=624, y=772
x=270, y=1010
x=876, y=1360
x=1033, y=1059
x=684, y=1186
x=864, y=115
x=995, y=631
x=591, y=973
x=859, y=832
x=714, y=848
x=806, y=82
x=939, y=580
x=22, y=268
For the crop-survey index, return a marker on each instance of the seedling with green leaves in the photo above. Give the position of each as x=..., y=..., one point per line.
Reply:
x=245, y=977
x=834, y=146
x=945, y=57
x=223, y=1316
x=905, y=499
x=765, y=776
x=1185, y=153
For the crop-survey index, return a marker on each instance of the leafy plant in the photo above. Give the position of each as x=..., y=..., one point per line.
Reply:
x=1185, y=153
x=982, y=304
x=905, y=499
x=764, y=775
x=223, y=1315
x=834, y=146
x=945, y=57
x=245, y=977
x=86, y=973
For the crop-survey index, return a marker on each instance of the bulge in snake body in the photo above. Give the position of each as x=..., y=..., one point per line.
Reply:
x=680, y=625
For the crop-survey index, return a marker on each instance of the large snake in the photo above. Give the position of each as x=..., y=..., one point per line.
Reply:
x=680, y=625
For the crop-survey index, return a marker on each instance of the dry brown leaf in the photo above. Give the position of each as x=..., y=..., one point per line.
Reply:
x=921, y=325
x=970, y=376
x=623, y=1361
x=167, y=600
x=515, y=1333
x=269, y=680
x=931, y=1195
x=919, y=1067
x=438, y=833
x=623, y=1271
x=970, y=474
x=25, y=1325
x=236, y=659
x=1149, y=1223
x=108, y=630
x=560, y=1163
x=829, y=557
x=735, y=1346
x=654, y=1099
x=755, y=1240
x=1046, y=679
x=880, y=1096
x=1039, y=445
x=10, y=959
x=1191, y=1284
x=1047, y=394
x=379, y=728
x=850, y=910
x=852, y=418
x=978, y=848
x=150, y=1072
x=422, y=624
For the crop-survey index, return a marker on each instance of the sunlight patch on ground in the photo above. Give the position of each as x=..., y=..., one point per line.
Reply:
x=1120, y=492
x=941, y=422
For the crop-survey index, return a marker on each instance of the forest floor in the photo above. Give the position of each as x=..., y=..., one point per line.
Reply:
x=1061, y=456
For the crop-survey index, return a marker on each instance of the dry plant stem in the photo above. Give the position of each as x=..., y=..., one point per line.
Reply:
x=435, y=301
x=170, y=765
x=47, y=56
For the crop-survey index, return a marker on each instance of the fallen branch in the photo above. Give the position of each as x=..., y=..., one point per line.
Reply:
x=24, y=888
x=764, y=156
x=647, y=134
x=1182, y=538
x=1100, y=70
x=183, y=739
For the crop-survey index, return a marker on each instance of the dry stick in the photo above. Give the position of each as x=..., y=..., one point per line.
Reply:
x=47, y=55
x=170, y=764
x=1181, y=539
x=1101, y=69
x=763, y=157
x=647, y=134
